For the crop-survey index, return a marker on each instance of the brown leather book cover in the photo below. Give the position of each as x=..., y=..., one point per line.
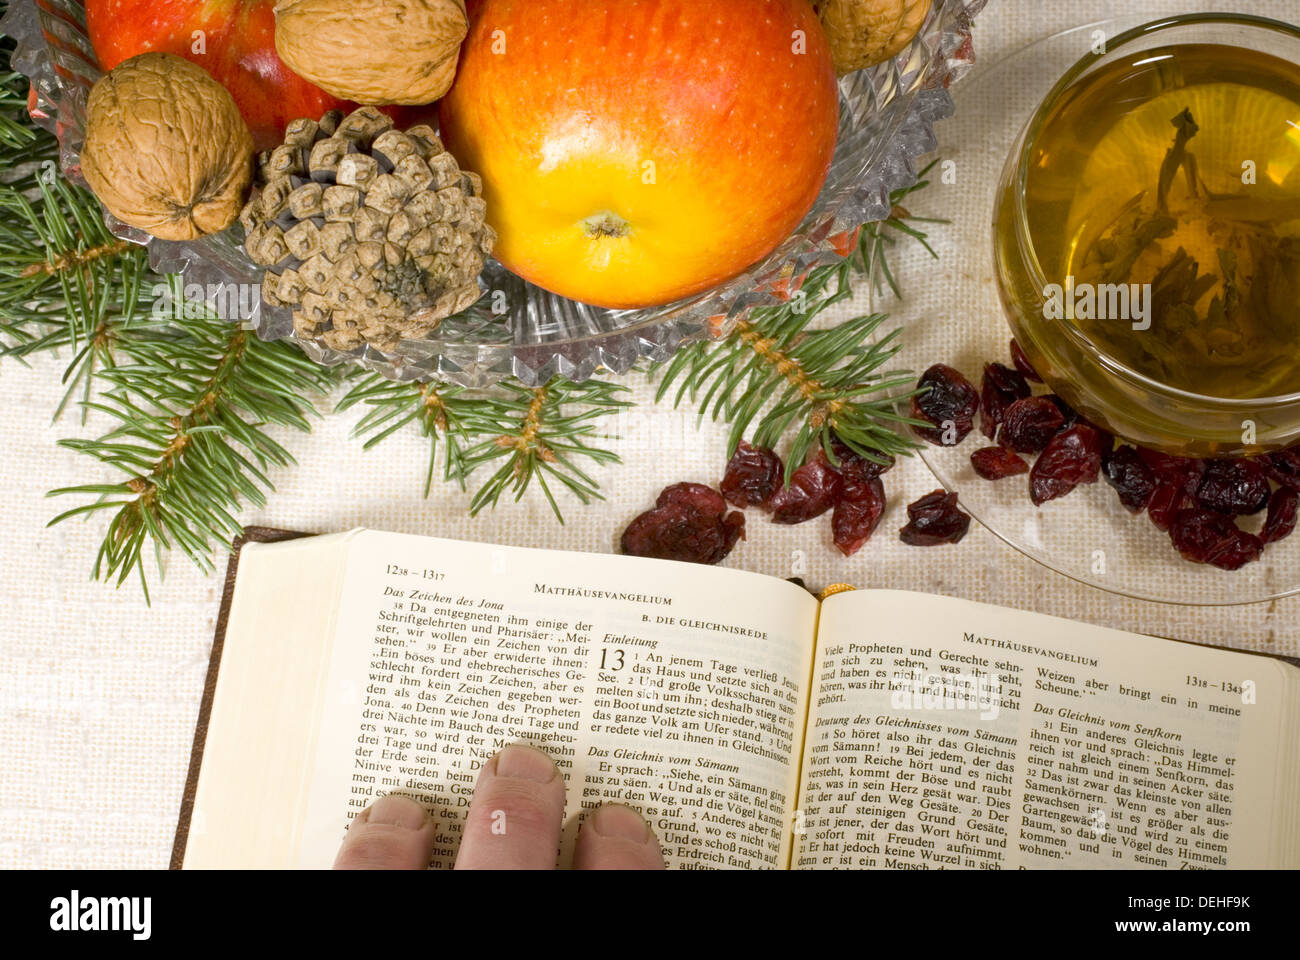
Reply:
x=251, y=535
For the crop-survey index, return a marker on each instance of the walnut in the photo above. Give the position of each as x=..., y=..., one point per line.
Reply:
x=373, y=51
x=166, y=148
x=863, y=33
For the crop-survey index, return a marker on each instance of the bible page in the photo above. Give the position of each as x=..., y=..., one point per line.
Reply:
x=948, y=734
x=676, y=689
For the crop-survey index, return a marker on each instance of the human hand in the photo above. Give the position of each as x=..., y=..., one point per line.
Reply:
x=520, y=792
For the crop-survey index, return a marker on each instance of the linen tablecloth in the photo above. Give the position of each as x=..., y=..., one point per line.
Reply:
x=99, y=692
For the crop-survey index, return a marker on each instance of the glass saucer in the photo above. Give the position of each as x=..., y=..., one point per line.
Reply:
x=1087, y=535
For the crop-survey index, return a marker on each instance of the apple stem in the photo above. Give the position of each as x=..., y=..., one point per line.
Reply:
x=606, y=224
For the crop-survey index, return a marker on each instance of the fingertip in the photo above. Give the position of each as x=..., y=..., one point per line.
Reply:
x=396, y=810
x=515, y=814
x=393, y=833
x=522, y=761
x=616, y=837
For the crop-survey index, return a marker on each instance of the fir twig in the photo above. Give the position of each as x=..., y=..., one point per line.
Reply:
x=15, y=134
x=192, y=405
x=22, y=144
x=872, y=256
x=438, y=409
x=775, y=375
x=545, y=435
x=20, y=140
x=540, y=433
x=65, y=281
x=193, y=401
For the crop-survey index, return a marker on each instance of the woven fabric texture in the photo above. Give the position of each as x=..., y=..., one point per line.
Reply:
x=99, y=692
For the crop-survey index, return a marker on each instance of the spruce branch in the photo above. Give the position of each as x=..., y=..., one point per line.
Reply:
x=825, y=381
x=192, y=399
x=194, y=403
x=16, y=136
x=65, y=280
x=192, y=407
x=546, y=435
x=438, y=409
x=775, y=376
x=544, y=432
x=22, y=143
x=872, y=256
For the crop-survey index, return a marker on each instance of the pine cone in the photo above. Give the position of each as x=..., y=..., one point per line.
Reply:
x=369, y=234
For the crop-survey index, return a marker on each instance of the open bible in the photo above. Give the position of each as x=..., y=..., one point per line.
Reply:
x=749, y=723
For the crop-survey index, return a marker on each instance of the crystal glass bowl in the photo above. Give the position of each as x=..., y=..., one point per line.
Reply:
x=1133, y=405
x=886, y=117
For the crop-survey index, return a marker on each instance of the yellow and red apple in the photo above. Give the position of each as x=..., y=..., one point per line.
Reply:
x=635, y=152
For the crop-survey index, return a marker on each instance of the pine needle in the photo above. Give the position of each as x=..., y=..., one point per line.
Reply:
x=192, y=408
x=548, y=435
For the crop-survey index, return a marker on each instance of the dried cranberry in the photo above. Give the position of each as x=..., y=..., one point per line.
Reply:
x=1069, y=415
x=1105, y=436
x=1030, y=423
x=1235, y=487
x=1000, y=388
x=1183, y=471
x=1022, y=363
x=1281, y=517
x=1243, y=549
x=1284, y=467
x=1131, y=478
x=934, y=519
x=1072, y=457
x=1167, y=501
x=994, y=463
x=852, y=465
x=697, y=495
x=949, y=402
x=857, y=513
x=813, y=490
x=679, y=530
x=1204, y=536
x=753, y=476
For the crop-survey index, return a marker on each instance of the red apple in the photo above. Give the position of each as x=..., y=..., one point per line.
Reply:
x=635, y=152
x=234, y=40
